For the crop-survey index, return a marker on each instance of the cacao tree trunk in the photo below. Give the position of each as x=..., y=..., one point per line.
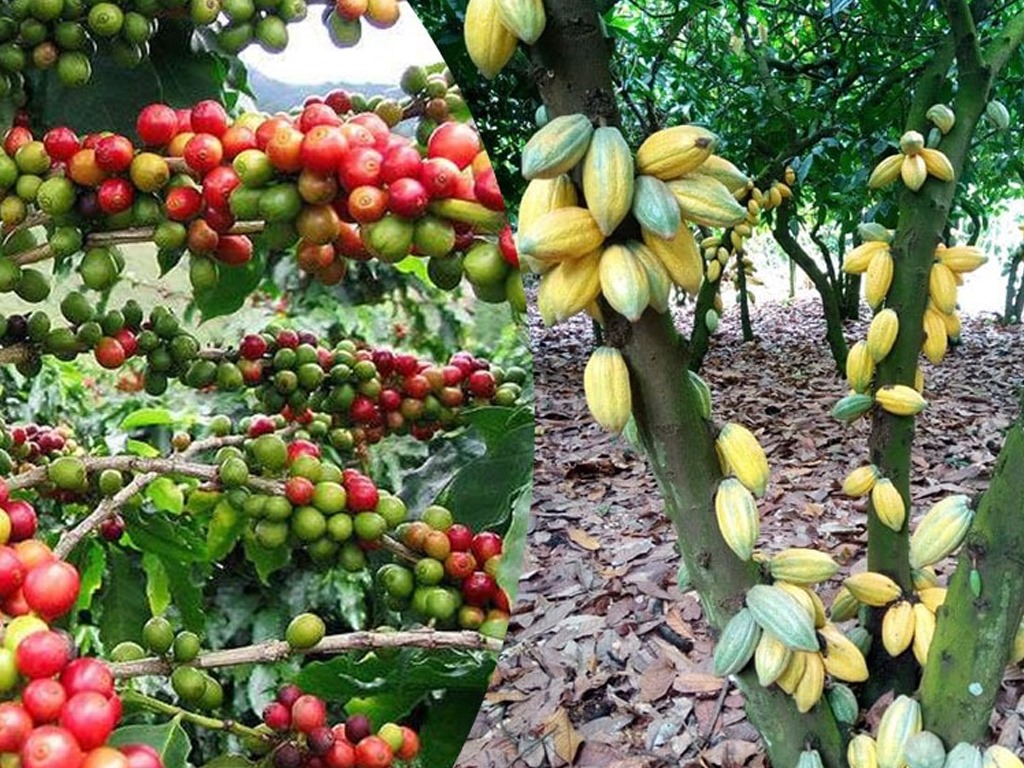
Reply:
x=1014, y=305
x=700, y=336
x=741, y=279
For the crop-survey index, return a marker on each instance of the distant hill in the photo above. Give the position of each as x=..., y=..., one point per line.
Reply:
x=276, y=96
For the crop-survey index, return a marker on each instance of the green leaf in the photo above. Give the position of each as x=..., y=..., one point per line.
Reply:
x=187, y=595
x=169, y=739
x=414, y=265
x=158, y=587
x=224, y=529
x=266, y=561
x=384, y=707
x=514, y=543
x=139, y=448
x=91, y=567
x=147, y=417
x=124, y=608
x=494, y=421
x=233, y=287
x=172, y=542
x=166, y=495
x=229, y=761
x=447, y=726
x=480, y=493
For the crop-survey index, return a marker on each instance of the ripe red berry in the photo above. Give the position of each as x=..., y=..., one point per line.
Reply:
x=288, y=338
x=482, y=384
x=357, y=728
x=339, y=101
x=261, y=425
x=61, y=143
x=253, y=346
x=400, y=162
x=308, y=713
x=479, y=588
x=115, y=195
x=455, y=141
x=299, y=490
x=407, y=197
x=277, y=716
x=23, y=519
x=183, y=203
x=315, y=114
x=157, y=125
x=87, y=674
x=323, y=148
x=234, y=249
x=126, y=338
x=109, y=353
x=486, y=545
x=203, y=152
x=15, y=726
x=51, y=588
x=298, y=448
x=341, y=754
x=410, y=744
x=362, y=495
x=360, y=167
x=460, y=537
x=15, y=139
x=43, y=699
x=51, y=747
x=209, y=116
x=439, y=176
x=142, y=756
x=288, y=694
x=218, y=185
x=114, y=153
x=42, y=654
x=89, y=717
x=373, y=752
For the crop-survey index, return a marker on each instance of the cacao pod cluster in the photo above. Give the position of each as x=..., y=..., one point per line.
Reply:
x=902, y=741
x=914, y=163
x=494, y=28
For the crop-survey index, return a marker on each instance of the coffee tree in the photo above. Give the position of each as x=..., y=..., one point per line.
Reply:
x=625, y=206
x=281, y=541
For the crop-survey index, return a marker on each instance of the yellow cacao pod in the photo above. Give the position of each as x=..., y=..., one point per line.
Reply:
x=624, y=281
x=706, y=201
x=933, y=597
x=771, y=658
x=998, y=756
x=940, y=531
x=714, y=271
x=802, y=596
x=658, y=280
x=913, y=172
x=744, y=456
x=543, y=196
x=608, y=178
x=680, y=257
x=606, y=385
x=918, y=380
x=861, y=752
x=775, y=196
x=843, y=660
x=924, y=631
x=898, y=627
x=888, y=505
x=564, y=233
x=557, y=147
x=802, y=566
x=942, y=288
x=732, y=177
x=569, y=288
x=942, y=116
x=860, y=368
x=524, y=18
x=882, y=332
x=812, y=683
x=961, y=258
x=673, y=152
x=935, y=339
x=937, y=164
x=860, y=481
x=738, y=520
x=878, y=278
x=924, y=577
x=953, y=326
x=857, y=260
x=790, y=677
x=900, y=400
x=886, y=172
x=489, y=42
x=901, y=720
x=874, y=589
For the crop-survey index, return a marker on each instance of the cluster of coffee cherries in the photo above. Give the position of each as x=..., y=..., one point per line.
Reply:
x=58, y=710
x=331, y=187
x=300, y=723
x=66, y=36
x=31, y=443
x=335, y=514
x=454, y=580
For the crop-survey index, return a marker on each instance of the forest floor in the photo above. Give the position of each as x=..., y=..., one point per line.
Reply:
x=608, y=662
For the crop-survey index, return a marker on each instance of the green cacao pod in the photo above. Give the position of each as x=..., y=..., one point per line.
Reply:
x=924, y=750
x=843, y=703
x=737, y=644
x=557, y=147
x=901, y=720
x=964, y=755
x=852, y=407
x=608, y=178
x=703, y=392
x=781, y=614
x=655, y=207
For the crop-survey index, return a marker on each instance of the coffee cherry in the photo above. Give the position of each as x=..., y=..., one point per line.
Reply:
x=51, y=589
x=308, y=713
x=277, y=716
x=288, y=694
x=158, y=634
x=357, y=728
x=186, y=646
x=305, y=631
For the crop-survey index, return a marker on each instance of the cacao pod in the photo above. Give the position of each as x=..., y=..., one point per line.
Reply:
x=706, y=201
x=655, y=207
x=624, y=281
x=524, y=18
x=882, y=332
x=564, y=233
x=737, y=644
x=874, y=589
x=940, y=531
x=680, y=257
x=744, y=456
x=887, y=504
x=673, y=152
x=606, y=386
x=781, y=614
x=737, y=516
x=558, y=147
x=608, y=178
x=489, y=42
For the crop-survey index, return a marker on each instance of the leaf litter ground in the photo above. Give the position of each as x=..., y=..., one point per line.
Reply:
x=608, y=661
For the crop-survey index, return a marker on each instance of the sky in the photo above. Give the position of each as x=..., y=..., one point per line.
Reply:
x=380, y=56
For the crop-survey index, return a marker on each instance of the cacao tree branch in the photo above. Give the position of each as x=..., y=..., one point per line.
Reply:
x=271, y=651
x=972, y=66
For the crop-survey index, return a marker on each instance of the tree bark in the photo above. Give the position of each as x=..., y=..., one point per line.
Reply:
x=829, y=297
x=1014, y=305
x=741, y=279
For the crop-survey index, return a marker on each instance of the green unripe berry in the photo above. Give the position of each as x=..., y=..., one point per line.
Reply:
x=158, y=635
x=189, y=684
x=186, y=646
x=305, y=631
x=127, y=651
